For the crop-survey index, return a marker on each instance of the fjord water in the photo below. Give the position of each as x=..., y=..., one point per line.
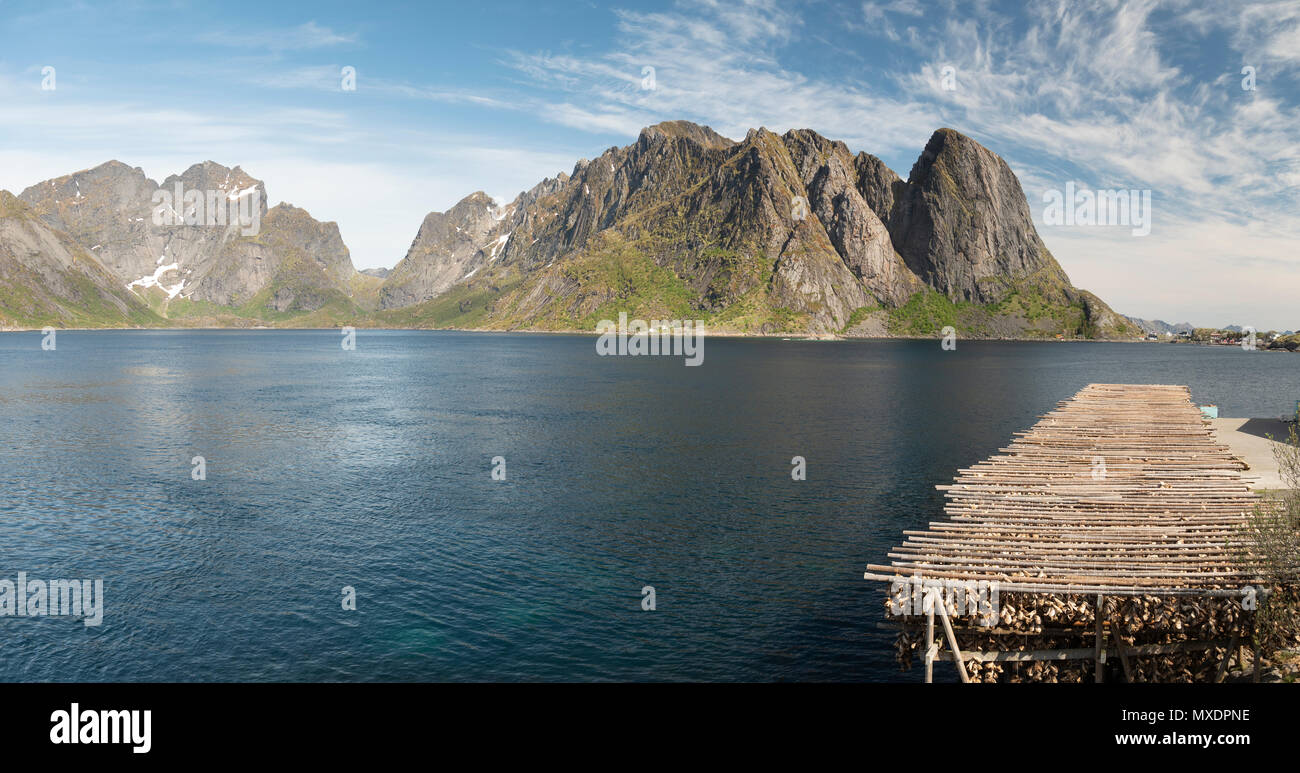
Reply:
x=371, y=468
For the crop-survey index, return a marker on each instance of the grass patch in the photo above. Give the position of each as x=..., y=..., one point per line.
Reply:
x=465, y=305
x=925, y=314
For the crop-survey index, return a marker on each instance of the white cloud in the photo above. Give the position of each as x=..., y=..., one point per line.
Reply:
x=305, y=36
x=720, y=67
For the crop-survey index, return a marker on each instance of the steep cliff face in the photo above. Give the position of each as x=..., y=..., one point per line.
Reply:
x=294, y=263
x=810, y=277
x=860, y=238
x=47, y=278
x=442, y=251
x=879, y=185
x=963, y=226
x=768, y=234
x=107, y=209
x=195, y=237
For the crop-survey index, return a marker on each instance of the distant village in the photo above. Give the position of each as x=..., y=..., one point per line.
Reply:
x=1230, y=336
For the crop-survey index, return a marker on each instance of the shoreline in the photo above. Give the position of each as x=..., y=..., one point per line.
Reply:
x=804, y=337
x=807, y=337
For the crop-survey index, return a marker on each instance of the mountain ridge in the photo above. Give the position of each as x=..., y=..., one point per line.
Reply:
x=1159, y=326
x=771, y=234
x=202, y=246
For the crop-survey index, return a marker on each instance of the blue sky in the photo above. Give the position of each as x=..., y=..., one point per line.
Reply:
x=457, y=97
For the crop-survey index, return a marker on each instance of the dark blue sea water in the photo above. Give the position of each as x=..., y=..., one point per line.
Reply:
x=371, y=469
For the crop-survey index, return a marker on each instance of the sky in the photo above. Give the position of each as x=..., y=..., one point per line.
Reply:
x=1196, y=102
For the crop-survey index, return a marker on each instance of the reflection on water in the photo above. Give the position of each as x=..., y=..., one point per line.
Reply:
x=371, y=468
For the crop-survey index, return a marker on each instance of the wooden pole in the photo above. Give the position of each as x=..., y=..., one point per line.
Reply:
x=1123, y=657
x=1098, y=652
x=1227, y=658
x=930, y=645
x=1084, y=653
x=952, y=638
x=1258, y=665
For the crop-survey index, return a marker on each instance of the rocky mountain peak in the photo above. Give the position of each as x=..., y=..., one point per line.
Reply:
x=11, y=205
x=692, y=132
x=444, y=251
x=197, y=235
x=963, y=225
x=879, y=185
x=811, y=151
x=230, y=183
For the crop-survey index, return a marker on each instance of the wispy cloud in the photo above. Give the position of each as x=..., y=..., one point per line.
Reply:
x=720, y=64
x=302, y=37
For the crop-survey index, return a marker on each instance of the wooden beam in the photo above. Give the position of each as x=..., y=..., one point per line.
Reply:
x=1098, y=648
x=1123, y=658
x=952, y=637
x=1080, y=653
x=931, y=648
x=1227, y=657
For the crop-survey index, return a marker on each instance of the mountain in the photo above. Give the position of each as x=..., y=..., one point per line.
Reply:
x=770, y=234
x=202, y=246
x=444, y=246
x=963, y=226
x=109, y=210
x=1159, y=326
x=47, y=278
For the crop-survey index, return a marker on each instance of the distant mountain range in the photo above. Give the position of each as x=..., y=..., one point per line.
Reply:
x=1159, y=326
x=767, y=235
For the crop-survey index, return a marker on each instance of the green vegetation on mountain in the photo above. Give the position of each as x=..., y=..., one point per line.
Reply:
x=464, y=306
